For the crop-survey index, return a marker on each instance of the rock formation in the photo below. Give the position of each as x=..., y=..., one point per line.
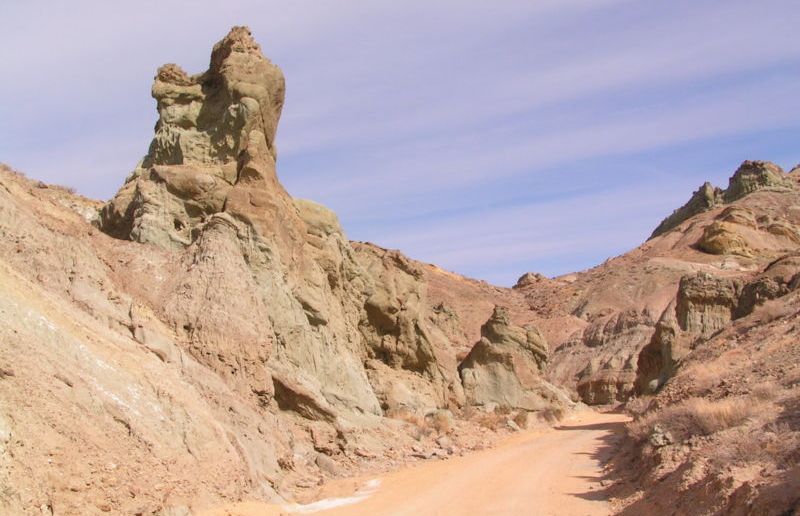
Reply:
x=504, y=367
x=749, y=177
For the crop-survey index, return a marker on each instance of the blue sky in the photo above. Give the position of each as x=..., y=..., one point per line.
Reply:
x=489, y=138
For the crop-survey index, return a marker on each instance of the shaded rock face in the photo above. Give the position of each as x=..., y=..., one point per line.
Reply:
x=610, y=375
x=505, y=367
x=778, y=279
x=266, y=285
x=405, y=337
x=703, y=306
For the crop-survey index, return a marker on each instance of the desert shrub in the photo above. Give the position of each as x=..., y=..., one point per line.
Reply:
x=551, y=415
x=405, y=414
x=440, y=421
x=774, y=444
x=416, y=423
x=503, y=410
x=766, y=391
x=491, y=420
x=713, y=416
x=704, y=376
x=698, y=416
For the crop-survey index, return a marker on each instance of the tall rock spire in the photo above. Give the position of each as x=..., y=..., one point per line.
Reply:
x=213, y=151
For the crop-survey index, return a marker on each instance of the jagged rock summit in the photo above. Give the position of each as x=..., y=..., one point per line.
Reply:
x=213, y=149
x=751, y=176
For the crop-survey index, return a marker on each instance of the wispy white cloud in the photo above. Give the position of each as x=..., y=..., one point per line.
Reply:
x=423, y=123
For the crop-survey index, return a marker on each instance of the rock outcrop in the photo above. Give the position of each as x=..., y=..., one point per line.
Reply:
x=598, y=321
x=610, y=375
x=505, y=367
x=228, y=338
x=751, y=176
x=215, y=130
x=704, y=305
x=778, y=279
x=705, y=198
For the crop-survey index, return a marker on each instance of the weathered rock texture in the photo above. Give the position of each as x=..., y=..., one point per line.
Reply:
x=215, y=130
x=751, y=176
x=504, y=367
x=705, y=198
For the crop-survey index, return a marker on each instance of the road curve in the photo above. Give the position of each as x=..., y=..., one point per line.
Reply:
x=555, y=472
x=539, y=473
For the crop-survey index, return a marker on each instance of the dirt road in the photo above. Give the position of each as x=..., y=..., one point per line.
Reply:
x=551, y=472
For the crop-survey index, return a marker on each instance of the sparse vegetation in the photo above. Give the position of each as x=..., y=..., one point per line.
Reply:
x=774, y=443
x=698, y=416
x=435, y=423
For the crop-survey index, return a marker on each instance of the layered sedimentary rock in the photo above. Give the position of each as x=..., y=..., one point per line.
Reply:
x=230, y=338
x=206, y=122
x=704, y=305
x=705, y=198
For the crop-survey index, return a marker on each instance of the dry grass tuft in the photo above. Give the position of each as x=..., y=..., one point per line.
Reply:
x=698, y=416
x=638, y=407
x=551, y=415
x=491, y=420
x=773, y=444
x=439, y=422
x=766, y=391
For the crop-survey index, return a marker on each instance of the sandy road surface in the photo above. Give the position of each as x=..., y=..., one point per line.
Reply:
x=551, y=472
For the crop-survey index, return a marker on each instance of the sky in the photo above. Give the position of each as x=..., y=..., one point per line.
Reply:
x=489, y=138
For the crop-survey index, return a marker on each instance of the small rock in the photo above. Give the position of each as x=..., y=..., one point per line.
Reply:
x=660, y=437
x=327, y=465
x=444, y=442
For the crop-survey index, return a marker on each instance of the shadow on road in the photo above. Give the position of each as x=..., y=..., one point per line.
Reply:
x=604, y=486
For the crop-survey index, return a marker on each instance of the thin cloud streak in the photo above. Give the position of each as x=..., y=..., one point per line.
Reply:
x=417, y=119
